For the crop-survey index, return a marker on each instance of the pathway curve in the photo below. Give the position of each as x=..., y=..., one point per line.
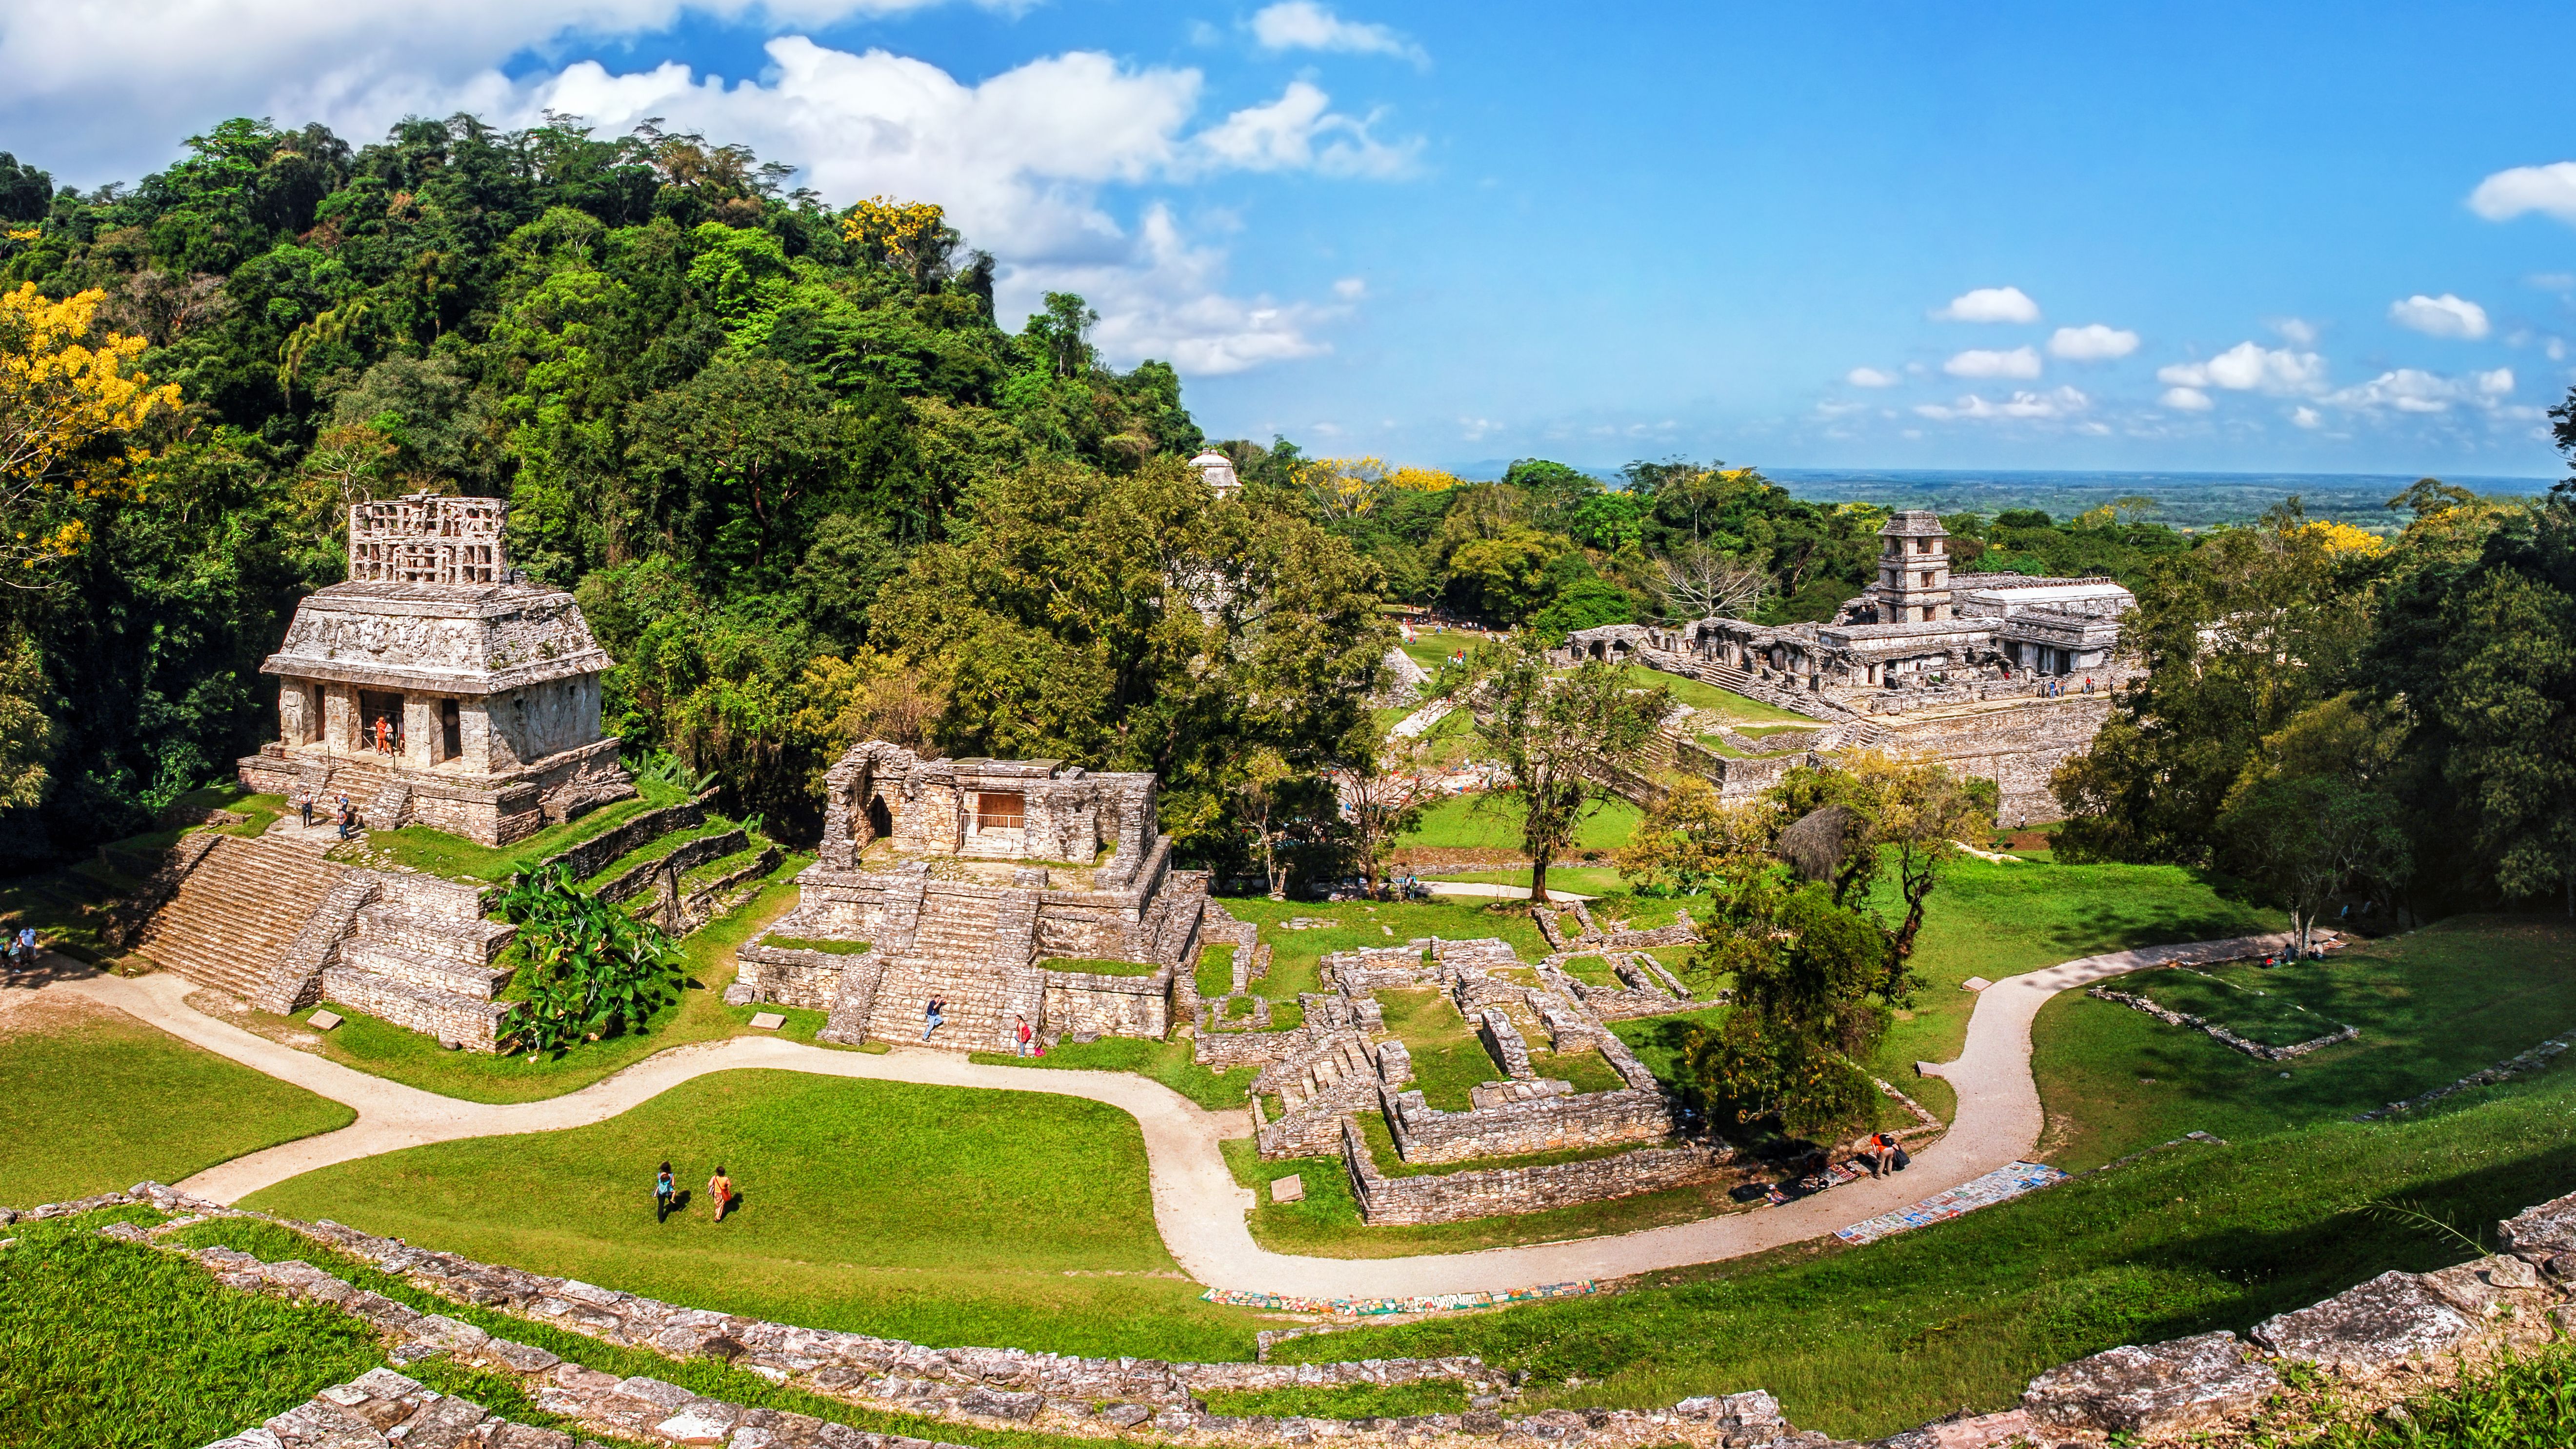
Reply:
x=1197, y=1206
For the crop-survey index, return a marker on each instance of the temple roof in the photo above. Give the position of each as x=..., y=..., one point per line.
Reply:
x=469, y=640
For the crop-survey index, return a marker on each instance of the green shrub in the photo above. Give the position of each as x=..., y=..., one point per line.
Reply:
x=589, y=969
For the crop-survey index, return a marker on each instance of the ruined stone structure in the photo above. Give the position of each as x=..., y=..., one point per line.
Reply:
x=966, y=880
x=1999, y=676
x=486, y=686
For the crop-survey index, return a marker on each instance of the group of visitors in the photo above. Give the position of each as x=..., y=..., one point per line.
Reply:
x=2056, y=688
x=305, y=802
x=666, y=1193
x=19, y=951
x=388, y=739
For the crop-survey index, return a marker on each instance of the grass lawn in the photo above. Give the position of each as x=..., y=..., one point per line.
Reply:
x=941, y=1215
x=390, y=1051
x=1581, y=880
x=1862, y=1342
x=1294, y=954
x=1167, y=1062
x=1992, y=920
x=1697, y=695
x=1327, y=1223
x=1493, y=822
x=106, y=1345
x=1449, y=1059
x=2433, y=1006
x=435, y=852
x=92, y=1100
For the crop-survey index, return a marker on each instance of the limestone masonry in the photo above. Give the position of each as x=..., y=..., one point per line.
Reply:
x=1010, y=891
x=2368, y=1341
x=437, y=686
x=1999, y=676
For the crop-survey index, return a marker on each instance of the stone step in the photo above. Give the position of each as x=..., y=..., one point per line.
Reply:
x=430, y=973
x=472, y=1024
x=233, y=917
x=472, y=942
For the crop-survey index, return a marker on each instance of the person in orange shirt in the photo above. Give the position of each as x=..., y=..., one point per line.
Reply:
x=720, y=1187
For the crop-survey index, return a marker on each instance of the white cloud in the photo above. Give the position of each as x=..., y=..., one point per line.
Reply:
x=1990, y=304
x=2307, y=417
x=1351, y=289
x=1167, y=300
x=2058, y=403
x=2411, y=390
x=1475, y=430
x=2248, y=366
x=2510, y=193
x=2442, y=316
x=147, y=71
x=2297, y=332
x=2021, y=362
x=1871, y=377
x=2092, y=342
x=2186, y=399
x=1304, y=25
x=1284, y=134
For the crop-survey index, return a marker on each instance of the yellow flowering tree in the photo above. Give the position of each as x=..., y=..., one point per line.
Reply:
x=910, y=236
x=72, y=408
x=1349, y=487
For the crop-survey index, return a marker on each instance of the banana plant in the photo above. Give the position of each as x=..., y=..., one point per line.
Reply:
x=593, y=970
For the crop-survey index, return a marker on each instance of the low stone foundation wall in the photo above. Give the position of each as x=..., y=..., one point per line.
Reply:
x=807, y=979
x=477, y=1026
x=1550, y=1124
x=1452, y=1197
x=593, y=855
x=1081, y=1001
x=2221, y=1035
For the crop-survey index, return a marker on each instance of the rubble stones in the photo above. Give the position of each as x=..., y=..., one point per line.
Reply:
x=2392, y=1319
x=2157, y=1390
x=2539, y=1232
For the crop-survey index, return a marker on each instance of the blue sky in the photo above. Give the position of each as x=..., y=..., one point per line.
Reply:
x=2324, y=238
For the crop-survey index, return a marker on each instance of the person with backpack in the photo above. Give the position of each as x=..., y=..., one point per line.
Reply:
x=1025, y=1034
x=1886, y=1156
x=664, y=1190
x=720, y=1187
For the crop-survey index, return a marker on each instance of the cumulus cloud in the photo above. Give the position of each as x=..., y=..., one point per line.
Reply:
x=2021, y=406
x=2250, y=366
x=2186, y=399
x=2020, y=362
x=145, y=72
x=2411, y=390
x=1989, y=304
x=1300, y=132
x=1168, y=300
x=2442, y=316
x=1304, y=25
x=1871, y=377
x=2092, y=342
x=2510, y=193
x=2306, y=417
x=2297, y=331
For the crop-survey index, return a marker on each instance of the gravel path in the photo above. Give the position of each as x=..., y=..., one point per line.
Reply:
x=1197, y=1206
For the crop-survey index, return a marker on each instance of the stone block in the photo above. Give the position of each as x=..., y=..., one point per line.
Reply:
x=1000, y=1403
x=706, y=1421
x=767, y=1020
x=2393, y=1319
x=323, y=1020
x=442, y=1423
x=668, y=1397
x=1975, y=983
x=2161, y=1389
x=522, y=1358
x=1124, y=1416
x=1288, y=1189
x=2539, y=1232
x=740, y=994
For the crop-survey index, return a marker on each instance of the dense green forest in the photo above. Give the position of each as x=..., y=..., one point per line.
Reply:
x=809, y=488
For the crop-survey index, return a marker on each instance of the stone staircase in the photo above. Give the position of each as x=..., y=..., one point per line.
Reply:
x=235, y=915
x=970, y=950
x=421, y=956
x=1317, y=1088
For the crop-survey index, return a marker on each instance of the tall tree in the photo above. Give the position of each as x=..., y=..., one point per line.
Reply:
x=1560, y=738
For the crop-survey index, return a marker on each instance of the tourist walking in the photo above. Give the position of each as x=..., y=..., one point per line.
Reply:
x=720, y=1187
x=304, y=804
x=348, y=817
x=931, y=1020
x=1024, y=1034
x=663, y=1191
